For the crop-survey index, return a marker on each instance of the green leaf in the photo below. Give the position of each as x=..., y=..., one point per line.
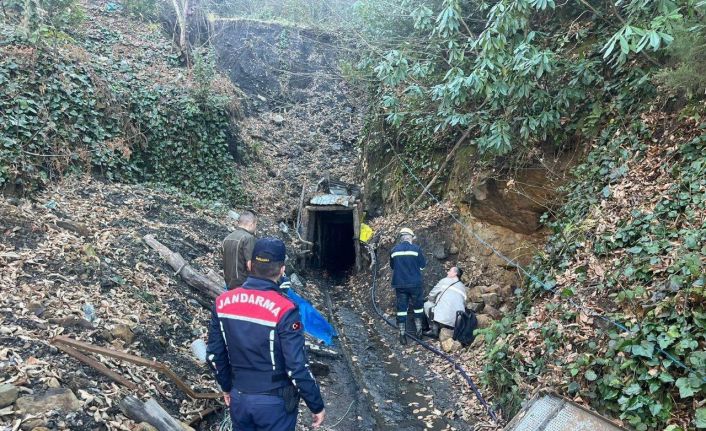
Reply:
x=685, y=389
x=644, y=349
x=590, y=375
x=633, y=389
x=700, y=418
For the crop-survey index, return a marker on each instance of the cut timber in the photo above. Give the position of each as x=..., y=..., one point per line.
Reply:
x=191, y=276
x=150, y=412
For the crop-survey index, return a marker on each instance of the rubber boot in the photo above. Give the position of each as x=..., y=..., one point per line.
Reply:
x=433, y=331
x=403, y=332
x=418, y=327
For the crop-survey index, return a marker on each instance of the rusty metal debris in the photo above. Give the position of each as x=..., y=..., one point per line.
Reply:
x=62, y=342
x=96, y=366
x=551, y=412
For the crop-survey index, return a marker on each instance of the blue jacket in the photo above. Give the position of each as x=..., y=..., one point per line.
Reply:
x=407, y=261
x=256, y=343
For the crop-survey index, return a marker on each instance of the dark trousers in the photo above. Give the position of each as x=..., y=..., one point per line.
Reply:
x=404, y=297
x=250, y=412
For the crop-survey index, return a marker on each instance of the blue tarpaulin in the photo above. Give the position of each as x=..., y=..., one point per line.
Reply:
x=314, y=323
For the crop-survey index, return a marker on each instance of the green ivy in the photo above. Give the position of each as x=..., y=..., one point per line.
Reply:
x=59, y=116
x=620, y=372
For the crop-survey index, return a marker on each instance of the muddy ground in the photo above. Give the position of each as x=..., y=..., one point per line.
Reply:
x=49, y=273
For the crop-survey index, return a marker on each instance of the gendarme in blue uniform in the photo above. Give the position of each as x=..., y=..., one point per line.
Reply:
x=256, y=345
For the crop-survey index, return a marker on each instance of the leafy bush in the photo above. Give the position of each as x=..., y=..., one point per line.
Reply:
x=146, y=10
x=655, y=282
x=59, y=115
x=43, y=15
x=688, y=58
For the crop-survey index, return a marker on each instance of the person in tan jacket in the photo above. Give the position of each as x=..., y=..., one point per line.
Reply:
x=237, y=250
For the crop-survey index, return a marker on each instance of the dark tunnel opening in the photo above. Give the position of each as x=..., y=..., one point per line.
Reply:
x=334, y=238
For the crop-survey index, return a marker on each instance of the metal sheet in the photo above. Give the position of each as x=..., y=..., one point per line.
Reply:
x=330, y=199
x=554, y=413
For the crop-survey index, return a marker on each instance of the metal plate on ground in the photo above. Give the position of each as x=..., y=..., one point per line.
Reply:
x=555, y=413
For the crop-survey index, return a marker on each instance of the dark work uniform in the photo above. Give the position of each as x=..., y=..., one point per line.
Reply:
x=237, y=250
x=256, y=345
x=407, y=261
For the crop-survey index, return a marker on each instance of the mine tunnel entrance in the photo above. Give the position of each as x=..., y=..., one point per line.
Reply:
x=333, y=231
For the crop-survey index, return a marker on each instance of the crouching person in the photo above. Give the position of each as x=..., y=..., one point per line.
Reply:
x=445, y=299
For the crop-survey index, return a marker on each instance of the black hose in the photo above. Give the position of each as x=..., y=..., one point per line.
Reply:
x=431, y=348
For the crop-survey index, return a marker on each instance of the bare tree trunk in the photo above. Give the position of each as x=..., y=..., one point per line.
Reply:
x=181, y=8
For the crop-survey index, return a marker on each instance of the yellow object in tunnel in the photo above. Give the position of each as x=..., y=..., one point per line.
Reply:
x=366, y=232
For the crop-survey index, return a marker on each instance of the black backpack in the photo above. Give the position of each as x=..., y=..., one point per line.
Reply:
x=466, y=323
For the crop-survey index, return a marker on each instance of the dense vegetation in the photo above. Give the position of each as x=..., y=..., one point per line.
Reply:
x=72, y=102
x=529, y=77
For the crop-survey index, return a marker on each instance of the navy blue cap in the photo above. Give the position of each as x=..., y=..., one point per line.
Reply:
x=269, y=250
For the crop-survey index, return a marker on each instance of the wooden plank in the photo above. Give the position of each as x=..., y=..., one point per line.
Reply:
x=329, y=208
x=356, y=237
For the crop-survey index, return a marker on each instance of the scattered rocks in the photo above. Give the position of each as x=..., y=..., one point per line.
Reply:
x=492, y=312
x=123, y=332
x=144, y=426
x=484, y=321
x=506, y=292
x=445, y=334
x=450, y=345
x=54, y=399
x=8, y=394
x=297, y=282
x=36, y=308
x=489, y=289
x=439, y=252
x=491, y=299
x=475, y=307
x=34, y=424
x=474, y=294
x=278, y=119
x=53, y=383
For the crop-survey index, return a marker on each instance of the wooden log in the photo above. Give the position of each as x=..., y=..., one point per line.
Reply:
x=191, y=276
x=150, y=412
x=213, y=276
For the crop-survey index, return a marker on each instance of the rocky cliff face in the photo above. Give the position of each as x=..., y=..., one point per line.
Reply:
x=273, y=63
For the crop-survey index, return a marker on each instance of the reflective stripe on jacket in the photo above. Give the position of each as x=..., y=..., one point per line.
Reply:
x=407, y=261
x=256, y=343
